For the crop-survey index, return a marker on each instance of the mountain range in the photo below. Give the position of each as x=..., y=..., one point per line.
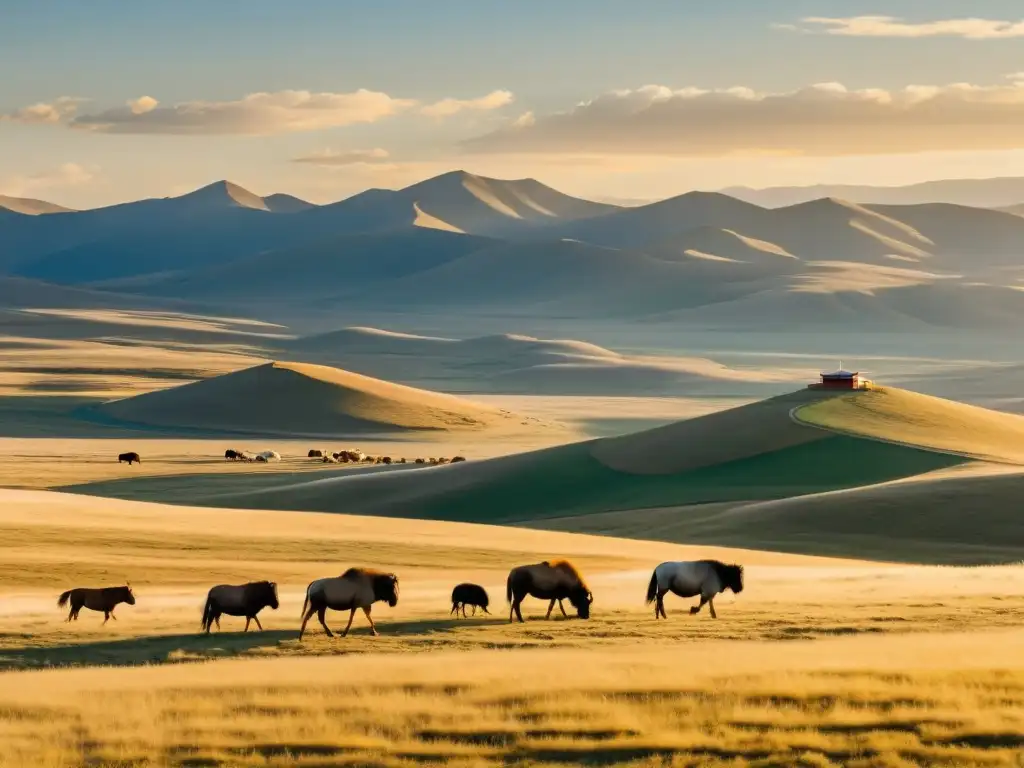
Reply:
x=475, y=245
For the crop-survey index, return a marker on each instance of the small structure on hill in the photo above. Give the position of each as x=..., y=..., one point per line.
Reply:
x=842, y=379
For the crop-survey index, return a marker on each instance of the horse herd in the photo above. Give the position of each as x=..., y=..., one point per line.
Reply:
x=359, y=588
x=338, y=457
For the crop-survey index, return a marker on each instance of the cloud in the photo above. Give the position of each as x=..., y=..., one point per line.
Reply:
x=449, y=107
x=890, y=26
x=56, y=111
x=826, y=119
x=332, y=157
x=259, y=114
x=65, y=175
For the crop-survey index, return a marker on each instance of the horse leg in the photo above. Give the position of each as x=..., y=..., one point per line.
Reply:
x=247, y=620
x=307, y=617
x=696, y=608
x=351, y=615
x=106, y=617
x=455, y=608
x=369, y=618
x=562, y=607
x=321, y=614
x=217, y=619
x=659, y=605
x=258, y=625
x=551, y=607
x=463, y=610
x=474, y=609
x=711, y=605
x=518, y=610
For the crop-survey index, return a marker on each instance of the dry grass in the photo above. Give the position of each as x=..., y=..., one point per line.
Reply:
x=852, y=702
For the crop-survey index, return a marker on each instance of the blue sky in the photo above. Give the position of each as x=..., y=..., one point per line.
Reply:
x=548, y=56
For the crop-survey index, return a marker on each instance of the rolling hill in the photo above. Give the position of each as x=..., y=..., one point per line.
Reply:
x=305, y=400
x=29, y=207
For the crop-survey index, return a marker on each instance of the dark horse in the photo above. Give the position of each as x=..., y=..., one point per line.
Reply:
x=469, y=594
x=104, y=599
x=355, y=588
x=241, y=600
x=129, y=457
x=556, y=580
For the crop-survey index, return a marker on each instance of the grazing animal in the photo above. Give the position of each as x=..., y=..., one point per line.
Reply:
x=315, y=454
x=241, y=600
x=129, y=457
x=421, y=461
x=469, y=594
x=432, y=460
x=442, y=460
x=385, y=460
x=330, y=460
x=401, y=461
x=555, y=580
x=457, y=459
x=104, y=599
x=231, y=455
x=355, y=588
x=261, y=458
x=268, y=456
x=706, y=578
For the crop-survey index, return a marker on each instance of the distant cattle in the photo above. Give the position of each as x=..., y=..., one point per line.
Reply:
x=456, y=459
x=315, y=454
x=469, y=594
x=555, y=580
x=129, y=457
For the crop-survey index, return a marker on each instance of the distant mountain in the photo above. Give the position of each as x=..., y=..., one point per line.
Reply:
x=29, y=207
x=980, y=193
x=280, y=203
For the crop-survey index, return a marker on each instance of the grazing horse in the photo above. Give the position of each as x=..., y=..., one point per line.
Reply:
x=241, y=600
x=129, y=457
x=554, y=580
x=355, y=588
x=469, y=594
x=104, y=599
x=706, y=578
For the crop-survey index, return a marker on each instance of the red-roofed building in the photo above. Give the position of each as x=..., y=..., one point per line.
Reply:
x=842, y=379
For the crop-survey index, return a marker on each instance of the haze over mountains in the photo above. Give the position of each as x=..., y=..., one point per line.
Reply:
x=481, y=246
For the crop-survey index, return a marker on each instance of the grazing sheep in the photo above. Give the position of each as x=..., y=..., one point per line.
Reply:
x=315, y=454
x=457, y=459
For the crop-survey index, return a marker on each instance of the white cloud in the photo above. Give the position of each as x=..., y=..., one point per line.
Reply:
x=65, y=175
x=449, y=107
x=344, y=157
x=825, y=119
x=890, y=26
x=257, y=114
x=55, y=111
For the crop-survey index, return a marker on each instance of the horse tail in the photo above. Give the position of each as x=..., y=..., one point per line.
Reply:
x=652, y=588
x=508, y=588
x=62, y=601
x=207, y=621
x=305, y=603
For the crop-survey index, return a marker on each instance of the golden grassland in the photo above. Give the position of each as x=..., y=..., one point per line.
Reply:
x=818, y=662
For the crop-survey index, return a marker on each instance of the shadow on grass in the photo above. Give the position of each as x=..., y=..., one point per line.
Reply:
x=399, y=628
x=136, y=651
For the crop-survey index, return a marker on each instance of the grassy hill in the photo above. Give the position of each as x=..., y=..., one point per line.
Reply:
x=302, y=399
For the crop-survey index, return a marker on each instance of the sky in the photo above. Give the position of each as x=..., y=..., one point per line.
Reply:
x=108, y=101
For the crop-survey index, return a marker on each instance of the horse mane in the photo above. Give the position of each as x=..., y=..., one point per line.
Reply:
x=726, y=572
x=373, y=573
x=565, y=566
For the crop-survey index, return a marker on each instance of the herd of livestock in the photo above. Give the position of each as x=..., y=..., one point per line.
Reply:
x=327, y=457
x=359, y=588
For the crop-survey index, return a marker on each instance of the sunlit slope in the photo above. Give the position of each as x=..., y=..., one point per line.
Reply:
x=303, y=399
x=932, y=423
x=754, y=452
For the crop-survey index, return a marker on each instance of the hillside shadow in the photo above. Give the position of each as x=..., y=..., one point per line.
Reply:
x=137, y=651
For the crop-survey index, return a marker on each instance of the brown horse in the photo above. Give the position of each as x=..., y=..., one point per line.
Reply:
x=241, y=600
x=355, y=588
x=104, y=599
x=129, y=457
x=556, y=580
